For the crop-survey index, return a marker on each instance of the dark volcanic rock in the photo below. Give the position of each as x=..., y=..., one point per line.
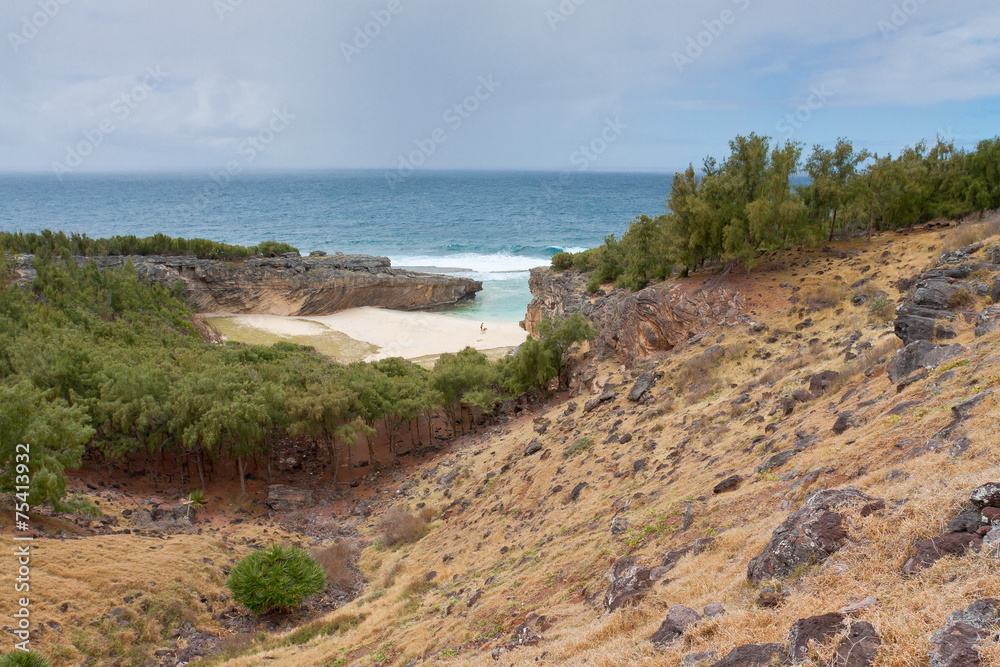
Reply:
x=859, y=648
x=809, y=535
x=926, y=552
x=728, y=484
x=292, y=285
x=820, y=382
x=678, y=619
x=754, y=655
x=919, y=355
x=630, y=582
x=284, y=498
x=987, y=495
x=843, y=422
x=818, y=629
x=956, y=644
x=643, y=385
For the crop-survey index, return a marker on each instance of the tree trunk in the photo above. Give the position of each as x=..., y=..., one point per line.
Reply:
x=871, y=219
x=833, y=224
x=243, y=484
x=201, y=471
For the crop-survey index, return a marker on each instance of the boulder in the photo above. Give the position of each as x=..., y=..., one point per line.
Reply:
x=728, y=484
x=956, y=644
x=678, y=619
x=987, y=495
x=816, y=629
x=822, y=381
x=643, y=385
x=698, y=659
x=754, y=655
x=926, y=552
x=843, y=422
x=859, y=648
x=918, y=355
x=811, y=534
x=284, y=498
x=630, y=582
x=532, y=447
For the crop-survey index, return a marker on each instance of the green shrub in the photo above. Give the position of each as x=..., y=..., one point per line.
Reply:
x=23, y=659
x=278, y=578
x=562, y=261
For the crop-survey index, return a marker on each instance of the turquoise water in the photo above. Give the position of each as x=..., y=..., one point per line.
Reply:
x=491, y=226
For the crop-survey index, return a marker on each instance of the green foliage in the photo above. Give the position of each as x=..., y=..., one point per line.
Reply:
x=23, y=659
x=57, y=244
x=735, y=210
x=562, y=260
x=540, y=360
x=277, y=578
x=79, y=505
x=197, y=499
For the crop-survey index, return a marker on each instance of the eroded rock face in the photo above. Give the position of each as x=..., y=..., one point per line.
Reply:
x=632, y=325
x=291, y=285
x=921, y=354
x=284, y=498
x=810, y=535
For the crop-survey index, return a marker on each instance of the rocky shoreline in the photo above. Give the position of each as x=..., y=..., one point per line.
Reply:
x=290, y=285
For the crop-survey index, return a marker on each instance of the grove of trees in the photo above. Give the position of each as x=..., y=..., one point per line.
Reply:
x=103, y=364
x=734, y=211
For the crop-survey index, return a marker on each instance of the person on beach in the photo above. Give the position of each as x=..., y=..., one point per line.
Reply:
x=482, y=327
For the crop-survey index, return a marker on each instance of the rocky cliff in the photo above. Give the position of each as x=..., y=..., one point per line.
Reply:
x=632, y=325
x=292, y=285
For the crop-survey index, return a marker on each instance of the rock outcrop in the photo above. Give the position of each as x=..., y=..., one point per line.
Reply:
x=632, y=325
x=290, y=285
x=936, y=297
x=810, y=535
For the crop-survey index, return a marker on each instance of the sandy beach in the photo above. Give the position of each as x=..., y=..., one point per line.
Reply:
x=381, y=333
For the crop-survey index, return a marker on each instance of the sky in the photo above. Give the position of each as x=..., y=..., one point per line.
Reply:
x=604, y=85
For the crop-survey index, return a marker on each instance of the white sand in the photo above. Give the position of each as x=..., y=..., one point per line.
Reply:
x=396, y=333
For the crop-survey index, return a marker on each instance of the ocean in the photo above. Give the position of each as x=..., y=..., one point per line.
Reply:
x=491, y=226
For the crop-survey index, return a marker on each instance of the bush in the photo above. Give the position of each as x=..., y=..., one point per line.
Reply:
x=562, y=261
x=339, y=560
x=399, y=526
x=278, y=578
x=23, y=659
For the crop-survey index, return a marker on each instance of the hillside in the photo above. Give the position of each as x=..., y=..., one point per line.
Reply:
x=637, y=503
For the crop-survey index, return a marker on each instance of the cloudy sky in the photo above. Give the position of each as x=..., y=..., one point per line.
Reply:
x=483, y=84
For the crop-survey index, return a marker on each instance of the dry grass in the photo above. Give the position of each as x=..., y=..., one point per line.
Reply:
x=340, y=562
x=972, y=232
x=825, y=295
x=399, y=526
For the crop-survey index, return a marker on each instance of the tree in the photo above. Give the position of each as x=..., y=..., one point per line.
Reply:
x=41, y=436
x=832, y=174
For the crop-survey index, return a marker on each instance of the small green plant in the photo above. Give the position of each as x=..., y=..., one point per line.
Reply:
x=579, y=447
x=81, y=506
x=277, y=578
x=197, y=499
x=23, y=659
